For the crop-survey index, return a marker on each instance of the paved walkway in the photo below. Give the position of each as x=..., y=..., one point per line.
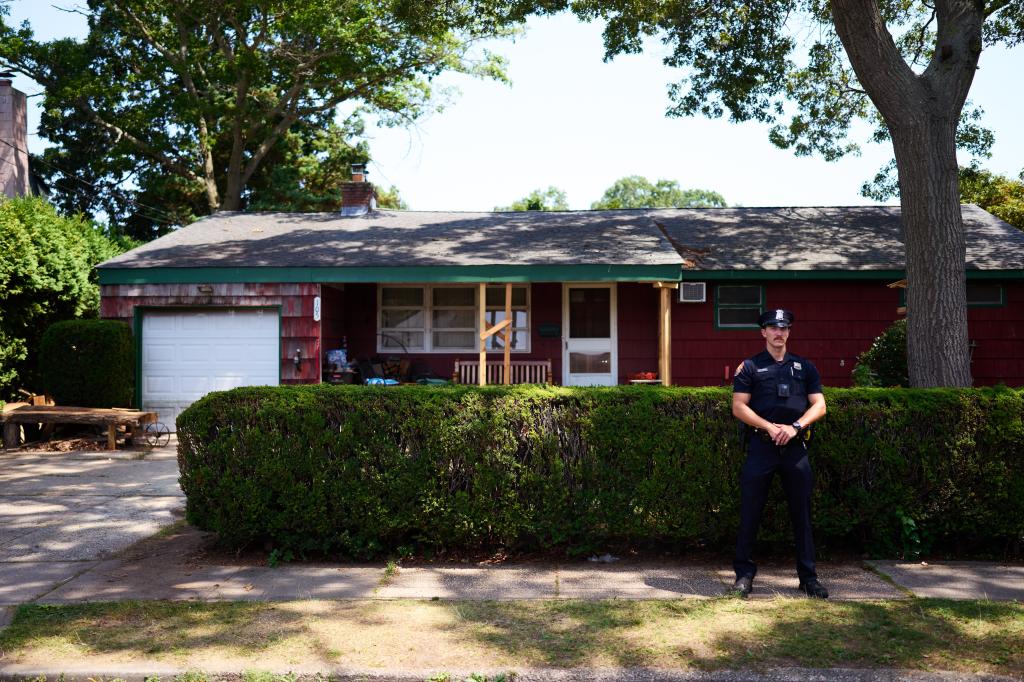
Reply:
x=61, y=514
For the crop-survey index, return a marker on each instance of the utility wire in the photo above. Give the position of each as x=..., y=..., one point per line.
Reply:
x=156, y=212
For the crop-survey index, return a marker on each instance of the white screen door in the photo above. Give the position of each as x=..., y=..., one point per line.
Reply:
x=589, y=356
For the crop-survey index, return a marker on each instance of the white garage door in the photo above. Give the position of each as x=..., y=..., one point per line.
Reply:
x=185, y=355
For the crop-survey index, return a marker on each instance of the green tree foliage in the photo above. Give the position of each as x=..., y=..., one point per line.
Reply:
x=1000, y=195
x=391, y=199
x=810, y=69
x=550, y=199
x=208, y=105
x=636, y=191
x=46, y=275
x=885, y=362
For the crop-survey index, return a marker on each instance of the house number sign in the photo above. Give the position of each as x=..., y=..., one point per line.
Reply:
x=316, y=308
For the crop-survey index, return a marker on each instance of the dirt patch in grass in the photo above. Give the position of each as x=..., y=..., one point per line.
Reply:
x=977, y=637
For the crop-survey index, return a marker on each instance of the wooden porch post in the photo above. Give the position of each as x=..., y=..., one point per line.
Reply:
x=507, y=333
x=505, y=327
x=665, y=331
x=482, y=373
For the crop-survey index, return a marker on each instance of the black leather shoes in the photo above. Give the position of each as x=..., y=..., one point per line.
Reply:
x=813, y=589
x=742, y=587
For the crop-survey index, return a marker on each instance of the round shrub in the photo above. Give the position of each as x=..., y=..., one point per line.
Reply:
x=89, y=363
x=885, y=362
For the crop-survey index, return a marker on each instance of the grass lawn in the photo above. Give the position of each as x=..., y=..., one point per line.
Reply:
x=706, y=634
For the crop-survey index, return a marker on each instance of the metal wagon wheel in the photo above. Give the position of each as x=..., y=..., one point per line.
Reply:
x=157, y=434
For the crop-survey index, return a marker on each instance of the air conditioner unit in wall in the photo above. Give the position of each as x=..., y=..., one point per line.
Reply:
x=692, y=292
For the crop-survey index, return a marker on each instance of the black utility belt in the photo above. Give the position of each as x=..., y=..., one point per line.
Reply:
x=803, y=435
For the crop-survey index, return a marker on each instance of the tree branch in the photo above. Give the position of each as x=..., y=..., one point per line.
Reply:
x=995, y=6
x=920, y=37
x=120, y=133
x=167, y=53
x=889, y=81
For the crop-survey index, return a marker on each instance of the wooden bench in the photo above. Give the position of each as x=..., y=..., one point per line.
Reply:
x=522, y=371
x=132, y=420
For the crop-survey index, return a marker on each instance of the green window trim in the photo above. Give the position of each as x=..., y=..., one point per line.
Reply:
x=990, y=304
x=720, y=306
x=1000, y=304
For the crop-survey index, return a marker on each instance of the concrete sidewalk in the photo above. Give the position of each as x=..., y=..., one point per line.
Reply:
x=174, y=567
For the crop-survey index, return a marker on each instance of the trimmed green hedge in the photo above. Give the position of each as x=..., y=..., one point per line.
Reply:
x=365, y=471
x=88, y=363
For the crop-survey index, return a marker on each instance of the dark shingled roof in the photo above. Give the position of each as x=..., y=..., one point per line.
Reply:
x=803, y=238
x=823, y=238
x=407, y=238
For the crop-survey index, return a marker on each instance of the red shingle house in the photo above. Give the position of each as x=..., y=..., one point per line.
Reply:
x=258, y=298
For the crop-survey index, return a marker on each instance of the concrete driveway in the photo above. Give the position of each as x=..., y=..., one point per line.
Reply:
x=63, y=513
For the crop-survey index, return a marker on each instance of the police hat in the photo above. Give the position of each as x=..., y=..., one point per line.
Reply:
x=776, y=318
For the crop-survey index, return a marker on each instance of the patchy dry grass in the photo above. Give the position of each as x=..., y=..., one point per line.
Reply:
x=926, y=634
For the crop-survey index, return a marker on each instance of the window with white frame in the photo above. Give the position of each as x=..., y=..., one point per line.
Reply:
x=403, y=319
x=444, y=318
x=453, y=318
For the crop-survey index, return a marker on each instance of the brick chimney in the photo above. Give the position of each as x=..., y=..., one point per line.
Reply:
x=359, y=196
x=14, y=176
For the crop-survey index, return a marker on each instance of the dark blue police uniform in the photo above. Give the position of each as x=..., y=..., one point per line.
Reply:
x=778, y=393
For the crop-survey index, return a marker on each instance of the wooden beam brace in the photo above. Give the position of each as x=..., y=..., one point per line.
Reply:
x=495, y=329
x=665, y=285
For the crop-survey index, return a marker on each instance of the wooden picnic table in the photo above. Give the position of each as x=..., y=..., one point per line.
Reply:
x=133, y=420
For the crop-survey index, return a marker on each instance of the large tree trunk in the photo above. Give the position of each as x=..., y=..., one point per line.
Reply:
x=937, y=353
x=232, y=200
x=921, y=112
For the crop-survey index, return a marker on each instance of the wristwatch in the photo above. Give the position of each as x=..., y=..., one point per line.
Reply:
x=798, y=426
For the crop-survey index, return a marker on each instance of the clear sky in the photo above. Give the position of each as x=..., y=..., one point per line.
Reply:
x=573, y=121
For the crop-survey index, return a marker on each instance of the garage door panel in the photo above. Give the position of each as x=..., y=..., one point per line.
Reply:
x=224, y=353
x=195, y=352
x=187, y=354
x=194, y=385
x=161, y=325
x=227, y=381
x=160, y=384
x=160, y=352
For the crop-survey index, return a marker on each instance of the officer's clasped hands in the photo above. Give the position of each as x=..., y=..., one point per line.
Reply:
x=782, y=433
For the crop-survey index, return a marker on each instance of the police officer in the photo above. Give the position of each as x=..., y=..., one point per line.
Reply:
x=777, y=395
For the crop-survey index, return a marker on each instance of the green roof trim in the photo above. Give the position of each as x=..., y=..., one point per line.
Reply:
x=760, y=275
x=453, y=273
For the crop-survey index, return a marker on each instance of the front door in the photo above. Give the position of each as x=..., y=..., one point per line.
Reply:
x=589, y=357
